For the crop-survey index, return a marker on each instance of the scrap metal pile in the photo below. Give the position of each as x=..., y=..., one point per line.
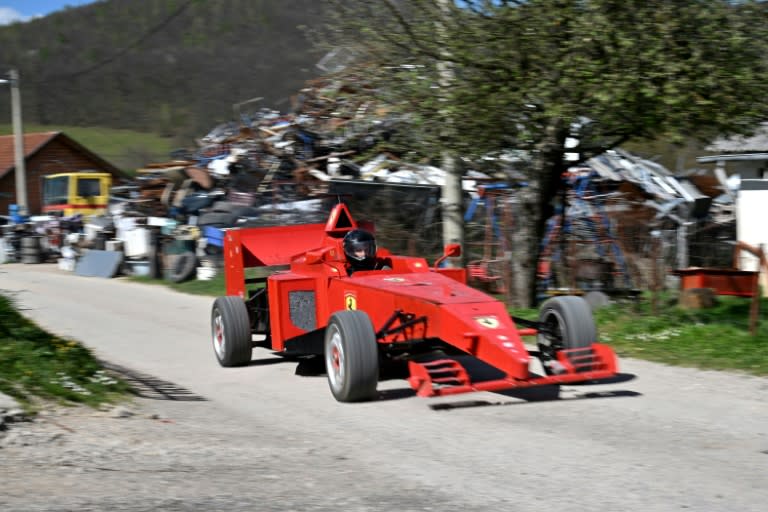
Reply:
x=274, y=168
x=337, y=133
x=628, y=222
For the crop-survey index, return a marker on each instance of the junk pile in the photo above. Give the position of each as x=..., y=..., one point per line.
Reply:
x=274, y=168
x=270, y=168
x=628, y=223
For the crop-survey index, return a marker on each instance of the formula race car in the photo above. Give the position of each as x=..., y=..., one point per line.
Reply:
x=426, y=319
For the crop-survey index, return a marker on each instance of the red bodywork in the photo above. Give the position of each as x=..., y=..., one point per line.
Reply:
x=409, y=302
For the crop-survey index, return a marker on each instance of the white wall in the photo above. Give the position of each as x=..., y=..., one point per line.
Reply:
x=752, y=223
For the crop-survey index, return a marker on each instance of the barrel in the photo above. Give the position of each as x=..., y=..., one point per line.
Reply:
x=30, y=249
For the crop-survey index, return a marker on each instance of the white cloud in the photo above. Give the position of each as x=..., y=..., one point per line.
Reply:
x=8, y=16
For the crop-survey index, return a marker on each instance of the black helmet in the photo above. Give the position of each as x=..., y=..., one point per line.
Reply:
x=360, y=249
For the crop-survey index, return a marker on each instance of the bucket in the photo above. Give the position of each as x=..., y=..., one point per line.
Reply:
x=137, y=267
x=206, y=273
x=67, y=264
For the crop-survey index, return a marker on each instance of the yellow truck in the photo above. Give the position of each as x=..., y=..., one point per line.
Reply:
x=70, y=193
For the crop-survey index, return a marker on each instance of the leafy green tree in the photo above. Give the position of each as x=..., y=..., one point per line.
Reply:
x=481, y=76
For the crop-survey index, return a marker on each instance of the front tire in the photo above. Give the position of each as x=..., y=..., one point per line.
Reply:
x=566, y=323
x=351, y=357
x=231, y=331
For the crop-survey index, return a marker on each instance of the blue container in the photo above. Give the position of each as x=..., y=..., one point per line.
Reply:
x=15, y=215
x=214, y=235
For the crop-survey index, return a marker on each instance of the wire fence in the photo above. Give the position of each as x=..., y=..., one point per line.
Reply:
x=613, y=246
x=610, y=244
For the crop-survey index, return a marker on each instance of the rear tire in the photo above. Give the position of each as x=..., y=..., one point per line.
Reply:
x=231, y=331
x=351, y=357
x=566, y=323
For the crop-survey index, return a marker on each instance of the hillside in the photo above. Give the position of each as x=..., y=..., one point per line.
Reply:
x=174, y=69
x=170, y=67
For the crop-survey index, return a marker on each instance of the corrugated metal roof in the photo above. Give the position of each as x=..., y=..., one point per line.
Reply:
x=32, y=143
x=755, y=144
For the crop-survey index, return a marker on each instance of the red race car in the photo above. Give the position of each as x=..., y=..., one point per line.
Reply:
x=402, y=311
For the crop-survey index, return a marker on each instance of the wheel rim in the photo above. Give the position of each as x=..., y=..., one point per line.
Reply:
x=219, y=340
x=334, y=361
x=552, y=341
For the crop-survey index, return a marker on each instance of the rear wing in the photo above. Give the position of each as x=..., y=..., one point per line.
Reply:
x=278, y=245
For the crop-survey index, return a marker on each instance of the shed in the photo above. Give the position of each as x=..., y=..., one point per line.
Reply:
x=745, y=156
x=44, y=153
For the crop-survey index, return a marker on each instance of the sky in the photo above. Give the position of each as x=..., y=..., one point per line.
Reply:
x=24, y=10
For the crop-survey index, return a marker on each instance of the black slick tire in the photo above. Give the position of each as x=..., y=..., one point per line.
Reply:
x=351, y=357
x=231, y=331
x=566, y=323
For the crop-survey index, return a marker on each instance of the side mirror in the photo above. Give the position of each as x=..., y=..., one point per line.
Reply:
x=452, y=250
x=449, y=251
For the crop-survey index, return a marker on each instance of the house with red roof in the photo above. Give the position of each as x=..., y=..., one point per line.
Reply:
x=44, y=153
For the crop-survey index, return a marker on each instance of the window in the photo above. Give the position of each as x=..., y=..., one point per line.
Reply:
x=55, y=190
x=88, y=187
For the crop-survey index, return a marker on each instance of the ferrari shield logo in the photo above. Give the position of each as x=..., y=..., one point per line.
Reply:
x=489, y=322
x=350, y=301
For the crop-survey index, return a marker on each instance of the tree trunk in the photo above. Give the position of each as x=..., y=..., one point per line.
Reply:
x=535, y=202
x=452, y=207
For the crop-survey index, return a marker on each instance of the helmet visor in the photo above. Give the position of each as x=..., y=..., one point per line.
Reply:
x=361, y=250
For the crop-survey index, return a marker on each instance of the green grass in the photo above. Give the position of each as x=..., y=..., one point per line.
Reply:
x=717, y=338
x=36, y=365
x=214, y=287
x=125, y=149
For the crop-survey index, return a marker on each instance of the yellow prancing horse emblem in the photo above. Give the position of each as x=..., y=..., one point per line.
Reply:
x=489, y=322
x=350, y=301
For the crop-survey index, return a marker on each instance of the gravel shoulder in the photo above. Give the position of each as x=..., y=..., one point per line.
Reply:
x=160, y=455
x=139, y=455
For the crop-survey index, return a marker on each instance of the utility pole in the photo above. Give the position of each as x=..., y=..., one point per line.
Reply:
x=453, y=219
x=18, y=139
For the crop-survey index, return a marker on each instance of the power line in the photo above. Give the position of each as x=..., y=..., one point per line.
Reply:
x=112, y=58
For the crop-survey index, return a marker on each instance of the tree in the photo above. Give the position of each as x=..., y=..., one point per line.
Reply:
x=530, y=75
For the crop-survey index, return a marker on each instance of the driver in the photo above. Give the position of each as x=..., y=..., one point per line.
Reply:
x=360, y=250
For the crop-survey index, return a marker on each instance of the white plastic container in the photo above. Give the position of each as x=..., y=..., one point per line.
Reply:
x=67, y=264
x=3, y=252
x=206, y=273
x=136, y=243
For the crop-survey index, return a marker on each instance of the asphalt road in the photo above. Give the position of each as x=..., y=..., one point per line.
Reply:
x=656, y=438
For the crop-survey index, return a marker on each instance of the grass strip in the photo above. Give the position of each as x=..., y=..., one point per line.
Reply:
x=36, y=364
